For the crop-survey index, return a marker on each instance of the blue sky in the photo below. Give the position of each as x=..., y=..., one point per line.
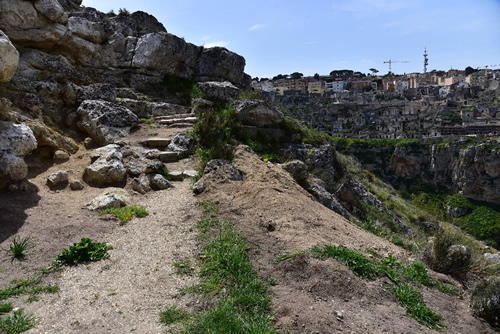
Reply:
x=318, y=36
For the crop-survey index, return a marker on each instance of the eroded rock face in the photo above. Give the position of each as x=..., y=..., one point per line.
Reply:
x=104, y=121
x=16, y=141
x=9, y=58
x=258, y=113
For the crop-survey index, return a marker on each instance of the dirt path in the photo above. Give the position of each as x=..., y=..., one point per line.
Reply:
x=123, y=294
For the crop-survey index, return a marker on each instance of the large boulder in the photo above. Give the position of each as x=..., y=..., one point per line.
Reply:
x=183, y=144
x=105, y=121
x=220, y=63
x=16, y=141
x=9, y=58
x=107, y=167
x=258, y=113
x=52, y=10
x=224, y=91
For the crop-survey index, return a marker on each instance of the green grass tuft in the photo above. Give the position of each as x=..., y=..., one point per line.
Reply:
x=172, y=315
x=17, y=323
x=126, y=213
x=18, y=246
x=184, y=268
x=6, y=308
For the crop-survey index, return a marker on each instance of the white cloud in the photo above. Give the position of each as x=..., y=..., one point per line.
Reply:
x=257, y=27
x=216, y=43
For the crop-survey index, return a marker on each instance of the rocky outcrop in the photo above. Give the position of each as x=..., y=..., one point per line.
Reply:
x=104, y=121
x=16, y=141
x=472, y=170
x=224, y=91
x=257, y=113
x=9, y=58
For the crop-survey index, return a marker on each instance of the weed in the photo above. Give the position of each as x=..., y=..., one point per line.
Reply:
x=210, y=209
x=126, y=213
x=6, y=308
x=183, y=268
x=84, y=251
x=18, y=246
x=27, y=287
x=146, y=121
x=123, y=12
x=17, y=323
x=166, y=174
x=172, y=315
x=411, y=299
x=357, y=262
x=284, y=257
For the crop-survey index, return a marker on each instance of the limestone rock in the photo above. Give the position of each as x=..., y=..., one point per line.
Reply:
x=219, y=90
x=105, y=121
x=167, y=109
x=223, y=170
x=95, y=32
x=16, y=141
x=257, y=113
x=107, y=167
x=141, y=185
x=298, y=170
x=9, y=58
x=458, y=257
x=46, y=136
x=133, y=168
x=57, y=178
x=100, y=91
x=52, y=10
x=61, y=155
x=220, y=63
x=183, y=144
x=76, y=185
x=158, y=182
x=154, y=166
x=105, y=201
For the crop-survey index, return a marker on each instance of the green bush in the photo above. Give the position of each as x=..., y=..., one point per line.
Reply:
x=486, y=300
x=84, y=251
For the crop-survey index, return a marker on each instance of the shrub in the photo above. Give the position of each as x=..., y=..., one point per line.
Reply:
x=486, y=300
x=84, y=251
x=123, y=12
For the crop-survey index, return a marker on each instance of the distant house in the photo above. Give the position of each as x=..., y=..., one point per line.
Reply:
x=336, y=86
x=316, y=87
x=453, y=80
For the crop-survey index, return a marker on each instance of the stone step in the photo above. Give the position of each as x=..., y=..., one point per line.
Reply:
x=168, y=156
x=180, y=125
x=180, y=176
x=157, y=142
x=160, y=118
x=177, y=120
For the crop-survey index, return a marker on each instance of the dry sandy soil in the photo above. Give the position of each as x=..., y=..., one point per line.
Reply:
x=127, y=292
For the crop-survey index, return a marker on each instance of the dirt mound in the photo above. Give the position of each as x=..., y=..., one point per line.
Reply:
x=313, y=296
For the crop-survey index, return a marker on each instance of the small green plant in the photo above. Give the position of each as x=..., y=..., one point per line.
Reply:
x=210, y=209
x=183, y=268
x=126, y=213
x=411, y=299
x=357, y=262
x=146, y=121
x=166, y=174
x=27, y=287
x=84, y=251
x=6, y=308
x=18, y=246
x=123, y=12
x=172, y=315
x=17, y=323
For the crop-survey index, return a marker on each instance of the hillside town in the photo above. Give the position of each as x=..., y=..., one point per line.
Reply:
x=417, y=105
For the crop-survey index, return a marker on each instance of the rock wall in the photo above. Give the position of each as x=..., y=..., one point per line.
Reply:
x=55, y=55
x=472, y=170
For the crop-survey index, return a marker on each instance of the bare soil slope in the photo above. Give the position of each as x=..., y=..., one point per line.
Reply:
x=278, y=216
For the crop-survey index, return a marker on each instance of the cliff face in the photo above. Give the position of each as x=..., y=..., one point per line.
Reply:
x=472, y=170
x=55, y=55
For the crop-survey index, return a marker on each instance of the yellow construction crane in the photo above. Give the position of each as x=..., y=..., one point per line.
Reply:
x=394, y=61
